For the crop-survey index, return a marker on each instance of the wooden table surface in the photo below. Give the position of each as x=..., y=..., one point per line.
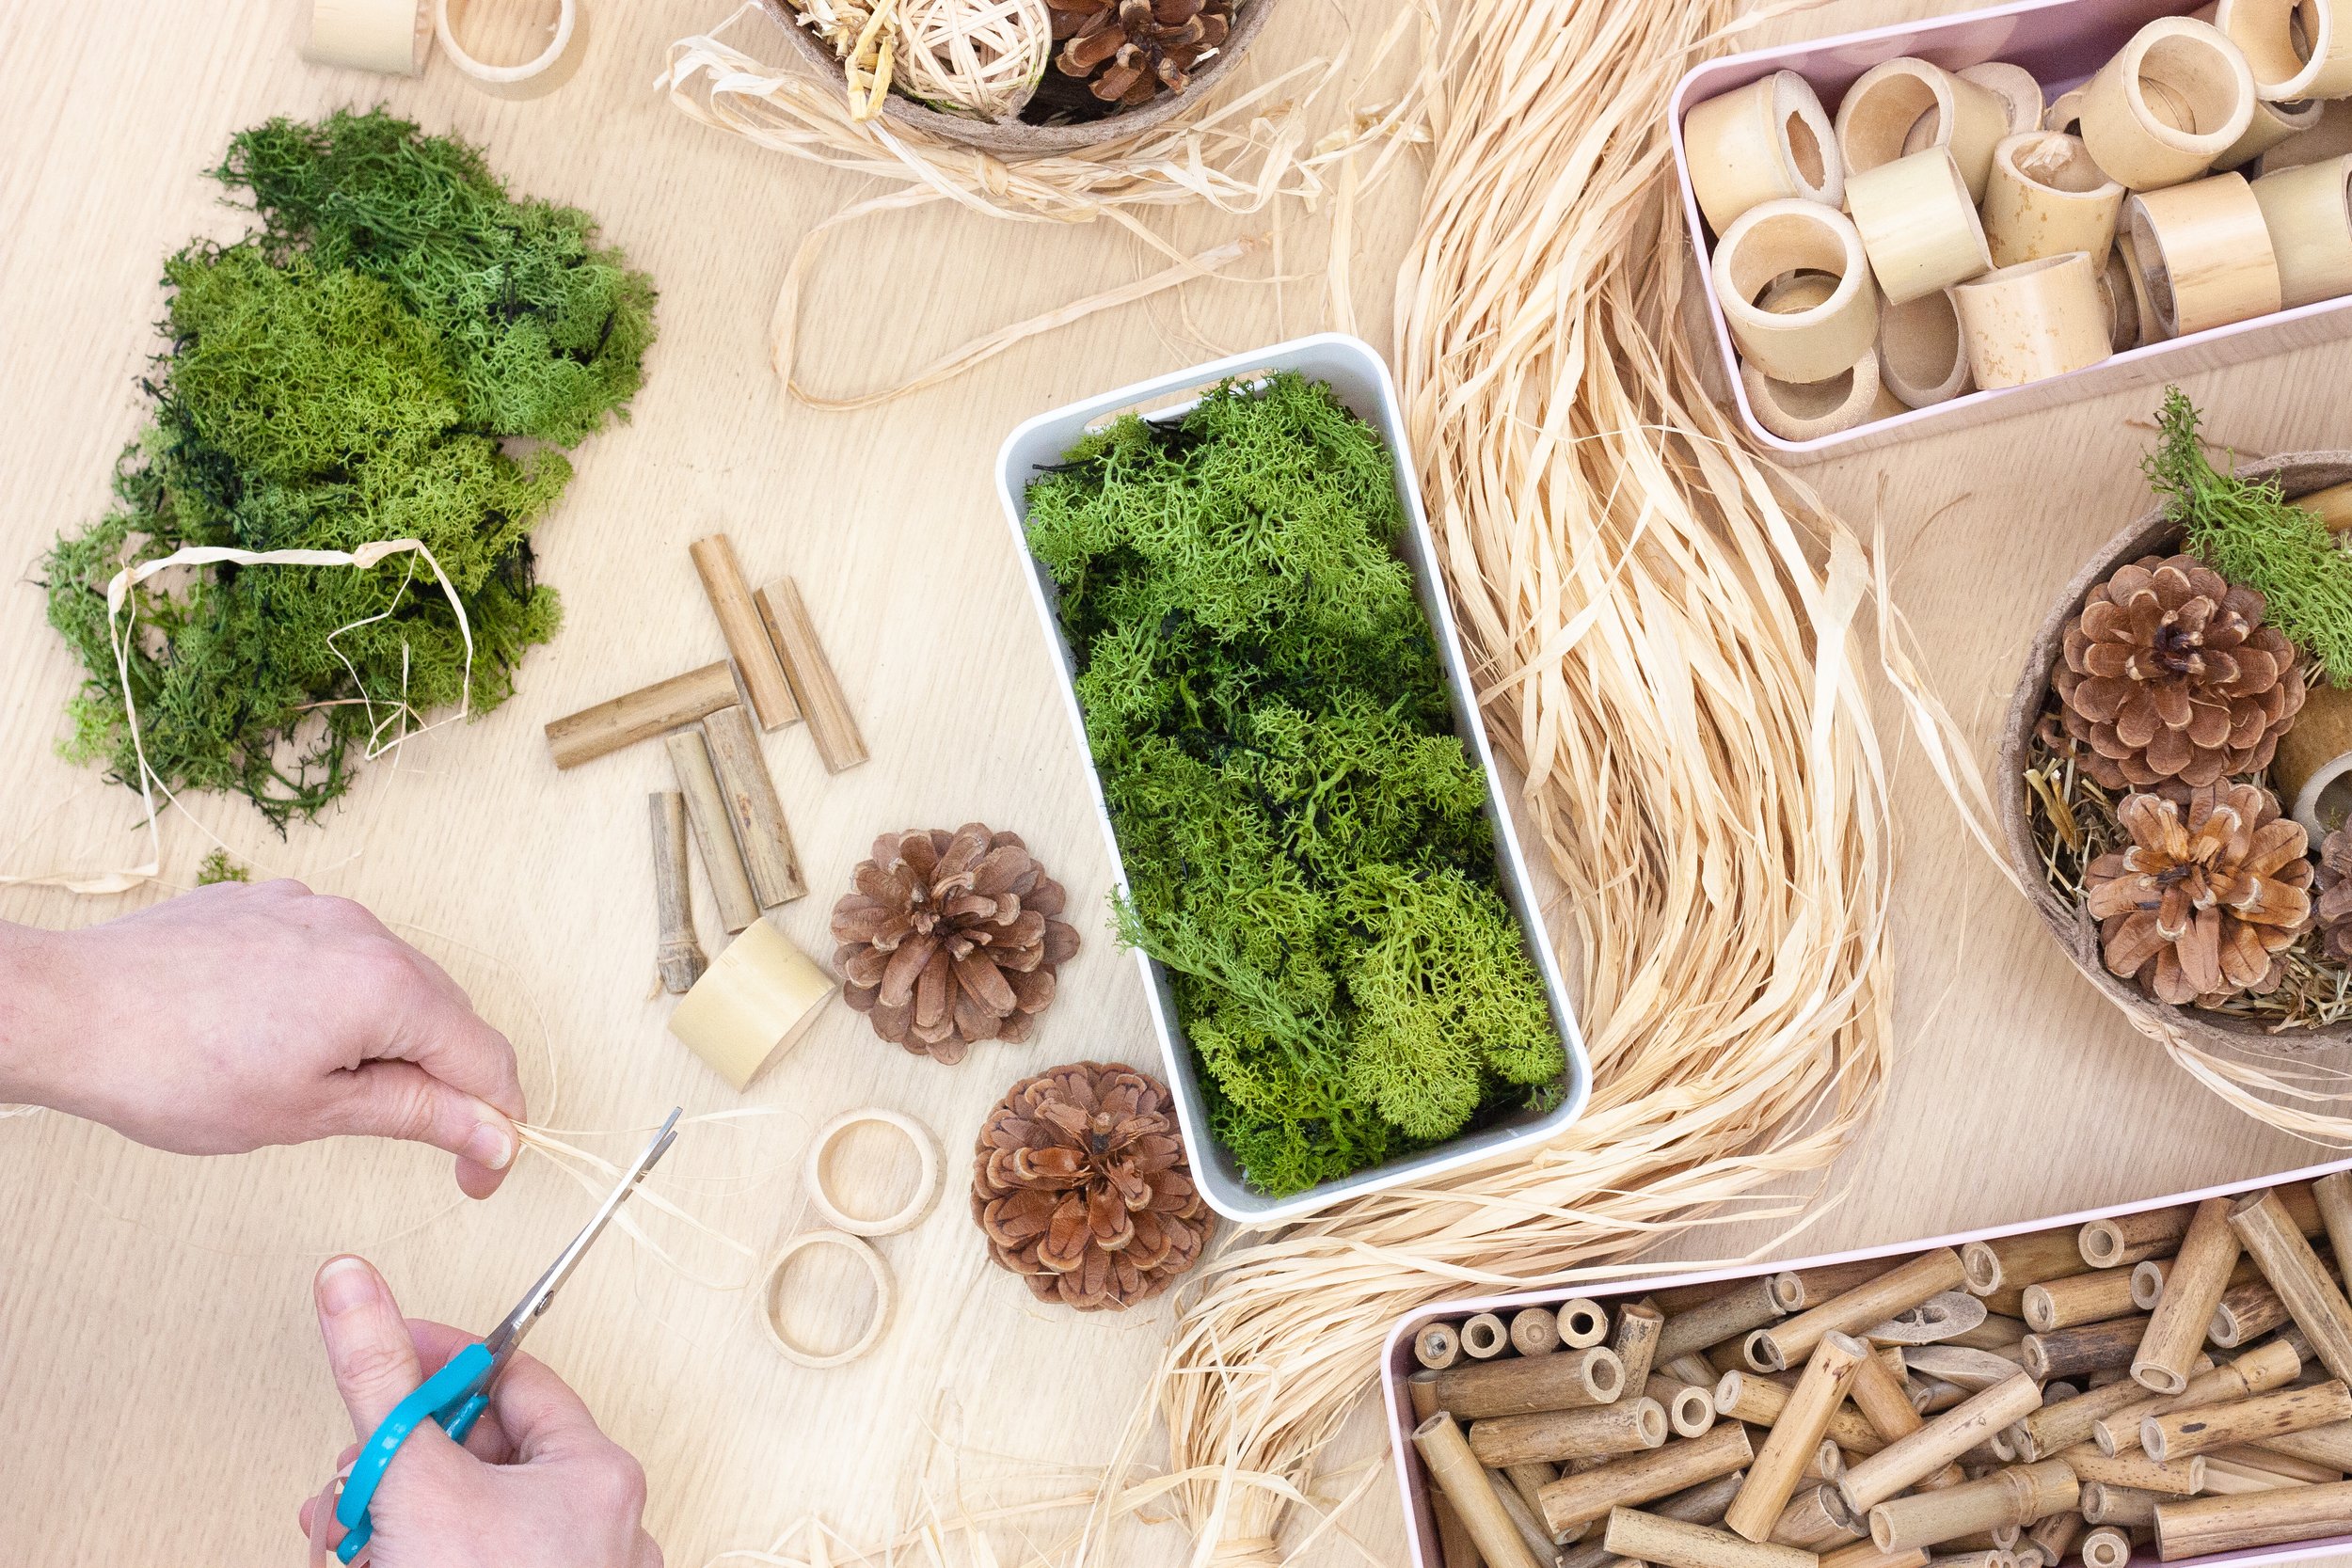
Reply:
x=162, y=1395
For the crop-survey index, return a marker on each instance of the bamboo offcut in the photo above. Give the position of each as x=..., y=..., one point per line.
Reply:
x=2016, y=1495
x=1798, y=1289
x=1484, y=1335
x=2034, y=320
x=1535, y=1331
x=640, y=715
x=2269, y=1231
x=2122, y=1240
x=2104, y=1504
x=1811, y=344
x=2309, y=220
x=1525, y=1385
x=679, y=955
x=1456, y=1472
x=1577, y=1499
x=2047, y=198
x=1639, y=1326
x=1758, y=1401
x=2105, y=1547
x=2176, y=1329
x=1773, y=1478
x=2175, y=97
x=2203, y=1525
x=1919, y=226
x=747, y=639
x=1437, y=1346
x=2180, y=1432
x=1689, y=1409
x=815, y=686
x=1905, y=1285
x=1654, y=1539
x=1555, y=1436
x=2204, y=253
x=1955, y=1432
x=2137, y=1470
x=1767, y=141
x=2013, y=1262
x=2083, y=1298
x=2257, y=1372
x=750, y=793
x=2091, y=1348
x=714, y=827
x=1582, y=1322
x=1751, y=1304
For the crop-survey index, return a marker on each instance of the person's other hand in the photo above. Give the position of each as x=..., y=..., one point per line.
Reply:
x=536, y=1484
x=239, y=1016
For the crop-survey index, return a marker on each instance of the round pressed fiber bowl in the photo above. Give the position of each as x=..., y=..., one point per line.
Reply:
x=2299, y=474
x=1019, y=139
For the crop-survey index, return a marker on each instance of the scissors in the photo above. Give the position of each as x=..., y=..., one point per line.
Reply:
x=454, y=1397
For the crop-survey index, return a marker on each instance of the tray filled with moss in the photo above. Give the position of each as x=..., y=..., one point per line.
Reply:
x=1351, y=983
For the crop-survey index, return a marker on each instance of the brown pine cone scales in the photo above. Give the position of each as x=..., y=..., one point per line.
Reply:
x=1082, y=1185
x=2169, y=674
x=950, y=939
x=2199, y=906
x=2333, y=907
x=1126, y=51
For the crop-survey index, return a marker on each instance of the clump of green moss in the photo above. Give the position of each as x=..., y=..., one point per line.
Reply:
x=1304, y=834
x=219, y=867
x=350, y=371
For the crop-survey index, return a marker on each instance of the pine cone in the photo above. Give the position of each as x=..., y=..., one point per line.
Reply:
x=1128, y=50
x=2334, y=905
x=2169, y=674
x=2201, y=904
x=950, y=939
x=1081, y=1183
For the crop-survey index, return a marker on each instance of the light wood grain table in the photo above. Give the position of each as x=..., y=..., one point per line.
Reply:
x=162, y=1395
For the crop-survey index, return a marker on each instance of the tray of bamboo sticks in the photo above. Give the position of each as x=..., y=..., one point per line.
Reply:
x=2167, y=1381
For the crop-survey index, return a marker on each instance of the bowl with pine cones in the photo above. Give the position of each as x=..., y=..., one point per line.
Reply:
x=2139, y=786
x=1102, y=71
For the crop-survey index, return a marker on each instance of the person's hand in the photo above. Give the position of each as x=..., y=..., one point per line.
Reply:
x=536, y=1484
x=239, y=1016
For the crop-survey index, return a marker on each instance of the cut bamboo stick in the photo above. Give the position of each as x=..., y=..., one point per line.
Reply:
x=1972, y=1370
x=1866, y=1554
x=1749, y=1304
x=640, y=715
x=679, y=955
x=2049, y=1541
x=2182, y=1477
x=2224, y=1478
x=2093, y=1347
x=2245, y=1314
x=1758, y=1401
x=1555, y=1436
x=2318, y=1307
x=714, y=828
x=1456, y=1549
x=1802, y=1424
x=2257, y=1372
x=2119, y=1505
x=1521, y=1386
x=1689, y=1409
x=2148, y=1275
x=1703, y=1504
x=1535, y=1331
x=2082, y=1298
x=1906, y=1285
x=2201, y=1271
x=2203, y=1525
x=810, y=673
x=1582, y=1322
x=1575, y=1500
x=1457, y=1474
x=1905, y=1462
x=1801, y=1290
x=1420, y=1389
x=1638, y=1327
x=752, y=804
x=1998, y=1332
x=1437, y=1346
x=2017, y=1496
x=2181, y=1432
x=2204, y=252
x=1484, y=1335
x=1672, y=1543
x=2331, y=1194
x=1512, y=1493
x=2304, y=1472
x=2122, y=1240
x=747, y=639
x=2329, y=1446
x=1817, y=1520
x=1883, y=1403
x=2105, y=1547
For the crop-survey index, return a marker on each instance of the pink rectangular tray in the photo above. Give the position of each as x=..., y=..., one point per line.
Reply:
x=2062, y=43
x=1397, y=1363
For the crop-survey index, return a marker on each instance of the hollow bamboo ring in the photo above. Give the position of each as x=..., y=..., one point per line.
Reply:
x=1922, y=358
x=2065, y=113
x=1484, y=1335
x=2034, y=321
x=2204, y=253
x=2047, y=198
x=2308, y=211
x=1805, y=410
x=2295, y=48
x=2272, y=124
x=543, y=74
x=2314, y=762
x=886, y=1292
x=926, y=1182
x=1792, y=236
x=1918, y=225
x=2171, y=101
x=2118, y=287
x=1768, y=141
x=1905, y=107
x=391, y=37
x=2014, y=85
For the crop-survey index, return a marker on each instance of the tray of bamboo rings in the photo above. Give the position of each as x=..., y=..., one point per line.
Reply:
x=1927, y=227
x=2162, y=1381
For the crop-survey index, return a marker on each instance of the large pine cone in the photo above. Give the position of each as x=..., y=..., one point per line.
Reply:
x=2201, y=904
x=1081, y=1183
x=1127, y=50
x=2334, y=886
x=950, y=939
x=2169, y=674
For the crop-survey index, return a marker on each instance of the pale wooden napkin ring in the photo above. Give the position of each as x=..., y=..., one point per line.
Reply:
x=2308, y=211
x=2047, y=198
x=2173, y=99
x=389, y=37
x=1904, y=106
x=1918, y=225
x=1768, y=141
x=1792, y=236
x=1806, y=410
x=754, y=1001
x=886, y=1292
x=2272, y=124
x=2296, y=48
x=2204, y=253
x=926, y=1182
x=1922, y=357
x=2033, y=320
x=2014, y=85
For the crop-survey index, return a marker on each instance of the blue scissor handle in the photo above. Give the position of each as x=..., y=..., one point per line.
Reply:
x=451, y=1398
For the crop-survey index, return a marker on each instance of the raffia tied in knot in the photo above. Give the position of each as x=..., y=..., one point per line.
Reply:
x=2199, y=905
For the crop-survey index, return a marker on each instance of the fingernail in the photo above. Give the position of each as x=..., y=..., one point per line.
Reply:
x=491, y=1145
x=346, y=1284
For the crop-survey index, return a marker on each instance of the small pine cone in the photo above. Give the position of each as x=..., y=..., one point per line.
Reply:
x=2169, y=674
x=2333, y=907
x=2200, y=905
x=1081, y=1183
x=950, y=939
x=1128, y=50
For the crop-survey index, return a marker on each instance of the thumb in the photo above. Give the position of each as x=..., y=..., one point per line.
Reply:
x=395, y=1099
x=368, y=1347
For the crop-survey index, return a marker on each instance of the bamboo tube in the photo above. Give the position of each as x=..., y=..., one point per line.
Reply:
x=1581, y=1323
x=1808, y=410
x=2206, y=1524
x=2014, y=85
x=2204, y=253
x=2105, y=1547
x=1918, y=225
x=2181, y=1432
x=2093, y=1347
x=714, y=828
x=2047, y=198
x=1420, y=1390
x=2049, y=1541
x=2016, y=1261
x=815, y=686
x=2148, y=1275
x=747, y=639
x=1516, y=1488
x=1905, y=1285
x=2033, y=320
x=1885, y=1404
x=1817, y=1520
x=2170, y=102
x=2257, y=1372
x=1672, y=1543
x=1758, y=1401
x=1577, y=1499
x=640, y=715
x=1828, y=1462
x=1921, y=1454
x=1703, y=1504
x=1749, y=1304
x=391, y=37
x=1998, y=1333
x=1865, y=1554
x=1689, y=1409
x=677, y=956
x=1690, y=1368
x=1437, y=1346
x=753, y=1003
x=1555, y=1436
x=1902, y=107
x=1638, y=1327
x=2104, y=1504
x=2122, y=1240
x=2309, y=217
x=2295, y=49
x=1445, y=1452
x=1522, y=1386
x=1803, y=1423
x=750, y=792
x=2065, y=113
x=2272, y=124
x=2017, y=1496
x=1483, y=1336
x=2264, y=1223
x=1456, y=1549
x=2132, y=1468
x=2304, y=1472
x=2328, y=1445
x=1770, y=140
x=2084, y=1298
x=1921, y=359
x=1778, y=237
x=1801, y=1290
x=2176, y=1329
x=2226, y=1478
x=1991, y=1557
x=1535, y=1331
x=2331, y=1194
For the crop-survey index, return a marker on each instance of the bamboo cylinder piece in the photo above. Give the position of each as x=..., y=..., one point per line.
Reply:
x=1744, y=1395
x=1535, y=1331
x=815, y=686
x=2315, y=753
x=2206, y=1524
x=2051, y=1539
x=2084, y=1298
x=750, y=792
x=739, y=624
x=2136, y=1472
x=1420, y=1389
x=2016, y=1495
x=2308, y=216
x=2176, y=1329
x=2295, y=49
x=1805, y=1421
x=1996, y=1333
x=1921, y=359
x=2176, y=97
x=1904, y=106
x=1577, y=1499
x=2225, y=1479
x=2033, y=320
x=2181, y=1432
x=2047, y=198
x=1484, y=1335
x=2014, y=85
x=1455, y=1471
x=1672, y=1543
x=640, y=715
x=1639, y=1324
x=714, y=827
x=1801, y=1289
x=2269, y=1232
x=1514, y=1488
x=1918, y=225
x=1523, y=1385
x=2121, y=1240
x=2091, y=1348
x=1749, y=1304
x=1815, y=1519
x=2105, y=1547
x=391, y=37
x=1703, y=1504
x=2304, y=1472
x=2331, y=1194
x=2204, y=253
x=1768, y=141
x=2104, y=1504
x=1905, y=1462
x=1582, y=1322
x=2257, y=1372
x=1905, y=1285
x=677, y=956
x=1555, y=1436
x=2328, y=1445
x=1456, y=1549
x=1437, y=1346
x=755, y=1002
x=1866, y=1554
x=2065, y=113
x=1689, y=1409
x=1778, y=237
x=1807, y=410
x=2272, y=124
x=2016, y=1261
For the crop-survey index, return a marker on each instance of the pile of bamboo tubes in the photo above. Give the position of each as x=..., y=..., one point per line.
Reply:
x=2174, y=1378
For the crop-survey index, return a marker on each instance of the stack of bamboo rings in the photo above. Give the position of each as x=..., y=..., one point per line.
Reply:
x=845, y=1230
x=1948, y=231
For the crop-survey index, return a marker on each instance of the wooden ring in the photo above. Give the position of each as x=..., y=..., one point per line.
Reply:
x=1790, y=235
x=391, y=37
x=2204, y=253
x=2034, y=321
x=543, y=74
x=1918, y=225
x=2047, y=198
x=926, y=1182
x=1922, y=358
x=1483, y=1336
x=2308, y=211
x=2014, y=85
x=1766, y=141
x=2272, y=124
x=755, y=999
x=2171, y=101
x=885, y=1291
x=1807, y=410
x=2117, y=286
x=2295, y=48
x=2065, y=113
x=1905, y=107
